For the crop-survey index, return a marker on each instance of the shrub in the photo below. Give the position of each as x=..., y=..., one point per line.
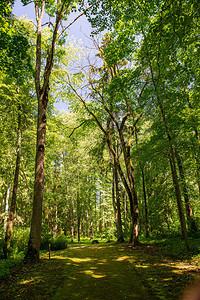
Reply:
x=57, y=243
x=46, y=239
x=19, y=241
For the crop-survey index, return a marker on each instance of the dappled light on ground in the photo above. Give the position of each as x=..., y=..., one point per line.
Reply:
x=92, y=274
x=79, y=260
x=100, y=272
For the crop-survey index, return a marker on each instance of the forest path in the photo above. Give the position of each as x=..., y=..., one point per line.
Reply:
x=101, y=272
x=95, y=272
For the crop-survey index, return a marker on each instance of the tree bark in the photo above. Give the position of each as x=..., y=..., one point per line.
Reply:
x=56, y=202
x=117, y=205
x=171, y=154
x=36, y=222
x=78, y=212
x=145, y=204
x=198, y=142
x=175, y=179
x=7, y=202
x=9, y=228
x=129, y=190
x=188, y=208
x=100, y=212
x=131, y=177
x=91, y=231
x=42, y=97
x=179, y=201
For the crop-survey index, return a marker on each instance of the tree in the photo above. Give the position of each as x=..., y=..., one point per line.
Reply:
x=16, y=60
x=59, y=10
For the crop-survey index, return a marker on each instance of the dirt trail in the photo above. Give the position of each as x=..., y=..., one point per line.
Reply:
x=101, y=272
x=98, y=272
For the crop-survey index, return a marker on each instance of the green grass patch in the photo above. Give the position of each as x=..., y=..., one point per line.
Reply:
x=174, y=246
x=7, y=264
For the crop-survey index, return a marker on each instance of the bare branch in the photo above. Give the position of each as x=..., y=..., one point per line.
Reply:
x=76, y=18
x=85, y=105
x=78, y=127
x=142, y=90
x=105, y=106
x=28, y=3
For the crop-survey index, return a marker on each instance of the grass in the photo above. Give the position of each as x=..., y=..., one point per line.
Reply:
x=103, y=271
x=174, y=247
x=171, y=246
x=8, y=264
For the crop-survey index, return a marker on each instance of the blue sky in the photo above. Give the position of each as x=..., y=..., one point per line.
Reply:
x=78, y=30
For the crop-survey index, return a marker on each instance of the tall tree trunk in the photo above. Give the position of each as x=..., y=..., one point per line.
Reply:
x=125, y=210
x=9, y=228
x=7, y=202
x=120, y=237
x=175, y=179
x=171, y=155
x=72, y=220
x=116, y=201
x=56, y=202
x=134, y=203
x=42, y=91
x=189, y=213
x=145, y=204
x=194, y=120
x=91, y=215
x=36, y=222
x=100, y=213
x=78, y=211
x=129, y=189
x=179, y=201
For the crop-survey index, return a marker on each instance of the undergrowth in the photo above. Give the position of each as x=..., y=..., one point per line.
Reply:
x=174, y=246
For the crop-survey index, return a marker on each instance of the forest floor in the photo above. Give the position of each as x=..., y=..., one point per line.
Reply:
x=103, y=271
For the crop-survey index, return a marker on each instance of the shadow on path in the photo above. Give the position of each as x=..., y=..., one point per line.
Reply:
x=98, y=272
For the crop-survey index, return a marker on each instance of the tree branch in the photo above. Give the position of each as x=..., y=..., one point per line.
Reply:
x=64, y=29
x=85, y=105
x=78, y=127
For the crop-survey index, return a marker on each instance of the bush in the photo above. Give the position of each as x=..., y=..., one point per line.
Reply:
x=2, y=243
x=18, y=244
x=57, y=243
x=19, y=241
x=46, y=239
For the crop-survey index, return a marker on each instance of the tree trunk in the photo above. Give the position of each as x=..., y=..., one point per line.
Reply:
x=91, y=216
x=78, y=212
x=7, y=202
x=120, y=237
x=125, y=210
x=145, y=205
x=175, y=178
x=114, y=202
x=189, y=213
x=72, y=220
x=134, y=203
x=56, y=204
x=36, y=222
x=194, y=120
x=130, y=192
x=179, y=201
x=42, y=91
x=15, y=187
x=100, y=213
x=171, y=155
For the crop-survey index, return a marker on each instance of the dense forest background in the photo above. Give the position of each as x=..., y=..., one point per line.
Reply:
x=123, y=162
